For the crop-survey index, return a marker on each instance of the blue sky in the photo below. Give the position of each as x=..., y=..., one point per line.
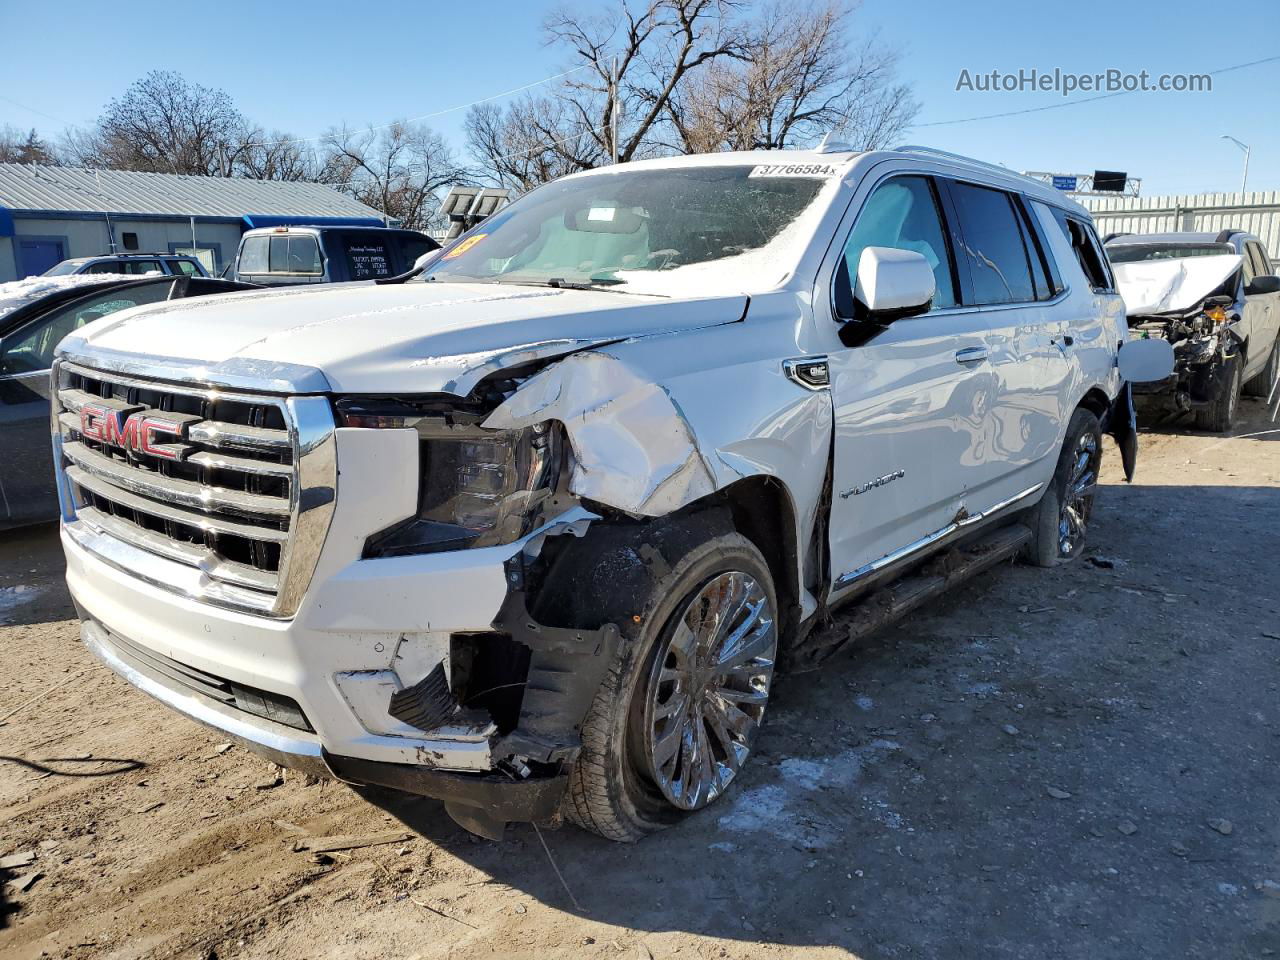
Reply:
x=357, y=63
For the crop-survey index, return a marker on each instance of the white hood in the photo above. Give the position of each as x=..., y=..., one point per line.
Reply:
x=1172, y=286
x=362, y=338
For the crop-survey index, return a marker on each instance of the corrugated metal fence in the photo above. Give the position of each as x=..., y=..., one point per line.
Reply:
x=1258, y=212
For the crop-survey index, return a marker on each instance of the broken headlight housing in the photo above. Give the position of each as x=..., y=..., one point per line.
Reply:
x=476, y=487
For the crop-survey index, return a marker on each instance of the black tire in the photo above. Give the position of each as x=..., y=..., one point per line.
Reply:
x=1050, y=524
x=1260, y=386
x=613, y=790
x=1220, y=414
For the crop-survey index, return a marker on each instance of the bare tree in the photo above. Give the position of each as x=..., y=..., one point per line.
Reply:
x=272, y=156
x=650, y=50
x=801, y=78
x=399, y=170
x=165, y=124
x=695, y=76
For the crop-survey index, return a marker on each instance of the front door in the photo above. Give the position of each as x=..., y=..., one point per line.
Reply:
x=911, y=404
x=38, y=254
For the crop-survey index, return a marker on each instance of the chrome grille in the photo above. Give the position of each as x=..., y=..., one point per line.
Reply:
x=225, y=497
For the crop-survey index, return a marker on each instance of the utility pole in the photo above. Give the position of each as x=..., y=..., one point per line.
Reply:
x=613, y=109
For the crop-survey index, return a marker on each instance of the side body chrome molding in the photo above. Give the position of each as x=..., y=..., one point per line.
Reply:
x=938, y=536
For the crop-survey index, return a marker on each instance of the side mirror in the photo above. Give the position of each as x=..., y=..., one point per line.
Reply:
x=1263, y=283
x=893, y=283
x=1145, y=361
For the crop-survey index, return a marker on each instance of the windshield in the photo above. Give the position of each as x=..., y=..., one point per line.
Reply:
x=63, y=269
x=1133, y=252
x=647, y=229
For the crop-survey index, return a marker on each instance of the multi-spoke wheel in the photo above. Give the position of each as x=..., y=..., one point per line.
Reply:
x=1077, y=499
x=674, y=721
x=708, y=689
x=1060, y=520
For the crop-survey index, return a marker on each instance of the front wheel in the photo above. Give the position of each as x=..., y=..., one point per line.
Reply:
x=1061, y=518
x=675, y=719
x=1220, y=414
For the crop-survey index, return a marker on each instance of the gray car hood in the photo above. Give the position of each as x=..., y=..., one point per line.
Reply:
x=362, y=338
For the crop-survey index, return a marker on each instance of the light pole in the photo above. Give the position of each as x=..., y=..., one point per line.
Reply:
x=1244, y=184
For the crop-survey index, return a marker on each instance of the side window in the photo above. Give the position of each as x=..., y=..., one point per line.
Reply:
x=1248, y=265
x=903, y=213
x=110, y=266
x=1088, y=250
x=1043, y=269
x=993, y=245
x=140, y=267
x=182, y=267
x=1262, y=263
x=253, y=255
x=31, y=349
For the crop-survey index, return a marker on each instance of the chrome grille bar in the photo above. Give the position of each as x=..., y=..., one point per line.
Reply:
x=232, y=492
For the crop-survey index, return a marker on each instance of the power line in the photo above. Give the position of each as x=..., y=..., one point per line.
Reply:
x=428, y=116
x=1076, y=103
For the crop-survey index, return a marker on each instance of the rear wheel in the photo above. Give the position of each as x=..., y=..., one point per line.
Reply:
x=1260, y=386
x=1220, y=414
x=675, y=719
x=1061, y=518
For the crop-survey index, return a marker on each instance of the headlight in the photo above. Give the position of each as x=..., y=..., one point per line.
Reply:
x=476, y=488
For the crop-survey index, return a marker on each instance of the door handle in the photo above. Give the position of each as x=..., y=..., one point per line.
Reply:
x=971, y=355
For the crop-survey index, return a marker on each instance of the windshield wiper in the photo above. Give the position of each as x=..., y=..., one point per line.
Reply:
x=585, y=284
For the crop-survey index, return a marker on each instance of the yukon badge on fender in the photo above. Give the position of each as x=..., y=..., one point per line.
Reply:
x=533, y=531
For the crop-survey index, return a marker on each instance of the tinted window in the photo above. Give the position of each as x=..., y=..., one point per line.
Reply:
x=110, y=266
x=1133, y=252
x=253, y=255
x=1261, y=260
x=1088, y=250
x=141, y=266
x=414, y=247
x=903, y=213
x=296, y=253
x=31, y=349
x=1250, y=268
x=992, y=245
x=182, y=267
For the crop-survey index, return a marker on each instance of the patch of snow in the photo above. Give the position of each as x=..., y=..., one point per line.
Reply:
x=984, y=689
x=863, y=702
x=772, y=807
x=1228, y=889
x=19, y=293
x=11, y=598
x=724, y=846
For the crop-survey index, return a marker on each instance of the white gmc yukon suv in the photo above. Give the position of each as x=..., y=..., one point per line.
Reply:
x=530, y=531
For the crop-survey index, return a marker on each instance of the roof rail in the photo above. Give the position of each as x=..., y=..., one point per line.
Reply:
x=948, y=155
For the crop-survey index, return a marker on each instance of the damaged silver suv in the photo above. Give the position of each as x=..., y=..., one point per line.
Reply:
x=532, y=532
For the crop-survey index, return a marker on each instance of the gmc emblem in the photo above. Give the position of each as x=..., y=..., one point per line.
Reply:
x=135, y=431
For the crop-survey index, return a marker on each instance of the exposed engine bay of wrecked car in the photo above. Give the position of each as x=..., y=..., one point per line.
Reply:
x=1192, y=304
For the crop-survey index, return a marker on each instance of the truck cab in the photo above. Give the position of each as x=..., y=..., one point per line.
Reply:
x=291, y=256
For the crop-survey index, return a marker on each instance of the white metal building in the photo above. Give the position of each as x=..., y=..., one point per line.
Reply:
x=1257, y=212
x=50, y=214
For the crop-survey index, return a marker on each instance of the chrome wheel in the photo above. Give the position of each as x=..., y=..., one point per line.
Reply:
x=708, y=689
x=1077, y=497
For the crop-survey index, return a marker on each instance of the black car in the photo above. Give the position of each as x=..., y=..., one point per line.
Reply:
x=34, y=315
x=287, y=256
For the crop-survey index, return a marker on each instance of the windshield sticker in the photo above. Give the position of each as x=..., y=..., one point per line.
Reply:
x=793, y=170
x=464, y=246
x=601, y=213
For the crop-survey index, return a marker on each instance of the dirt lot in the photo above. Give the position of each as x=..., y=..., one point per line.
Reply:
x=1073, y=763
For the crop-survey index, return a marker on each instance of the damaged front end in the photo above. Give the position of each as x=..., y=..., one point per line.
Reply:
x=1205, y=344
x=521, y=687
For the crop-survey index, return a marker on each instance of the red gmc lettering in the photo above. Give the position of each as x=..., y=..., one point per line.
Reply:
x=135, y=432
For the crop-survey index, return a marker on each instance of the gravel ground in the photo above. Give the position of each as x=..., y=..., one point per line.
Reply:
x=1069, y=763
